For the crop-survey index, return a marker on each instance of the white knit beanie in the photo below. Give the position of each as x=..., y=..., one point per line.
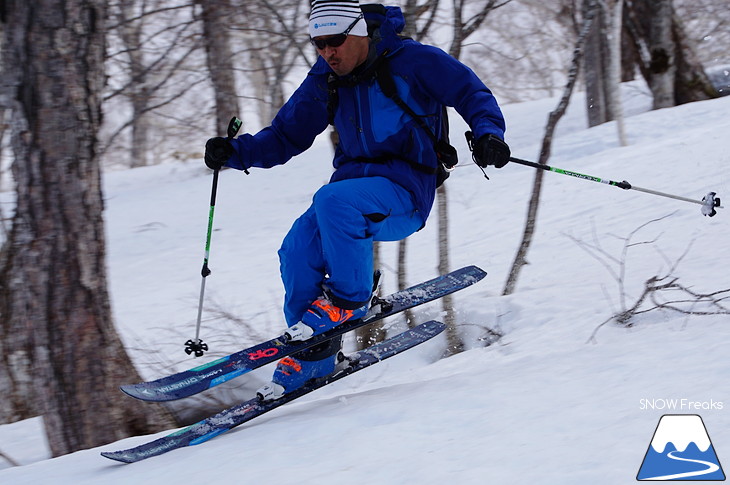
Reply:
x=331, y=17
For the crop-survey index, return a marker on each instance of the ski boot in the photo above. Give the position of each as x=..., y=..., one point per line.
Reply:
x=320, y=360
x=324, y=315
x=294, y=371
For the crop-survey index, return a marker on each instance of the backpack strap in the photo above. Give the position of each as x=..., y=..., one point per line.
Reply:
x=387, y=85
x=380, y=69
x=333, y=97
x=445, y=152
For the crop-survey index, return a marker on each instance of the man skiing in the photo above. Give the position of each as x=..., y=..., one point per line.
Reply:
x=386, y=164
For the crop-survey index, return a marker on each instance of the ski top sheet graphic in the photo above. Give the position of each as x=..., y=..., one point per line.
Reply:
x=227, y=419
x=203, y=377
x=680, y=450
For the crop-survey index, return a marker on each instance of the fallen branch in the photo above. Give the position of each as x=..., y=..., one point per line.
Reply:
x=653, y=296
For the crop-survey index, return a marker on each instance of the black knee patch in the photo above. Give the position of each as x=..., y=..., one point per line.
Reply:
x=376, y=217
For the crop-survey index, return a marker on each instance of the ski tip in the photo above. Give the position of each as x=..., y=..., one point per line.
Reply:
x=131, y=390
x=476, y=271
x=434, y=327
x=146, y=393
x=468, y=275
x=119, y=456
x=139, y=391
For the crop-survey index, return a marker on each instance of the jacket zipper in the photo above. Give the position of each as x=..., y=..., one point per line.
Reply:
x=361, y=133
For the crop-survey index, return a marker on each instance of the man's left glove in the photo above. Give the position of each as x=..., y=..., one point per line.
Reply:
x=217, y=152
x=491, y=150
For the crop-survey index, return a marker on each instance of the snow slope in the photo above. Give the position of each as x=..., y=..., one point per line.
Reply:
x=542, y=406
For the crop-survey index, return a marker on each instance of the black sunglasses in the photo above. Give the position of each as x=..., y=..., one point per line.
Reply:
x=335, y=40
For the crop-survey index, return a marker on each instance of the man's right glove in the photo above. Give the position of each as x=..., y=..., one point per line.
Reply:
x=491, y=150
x=217, y=152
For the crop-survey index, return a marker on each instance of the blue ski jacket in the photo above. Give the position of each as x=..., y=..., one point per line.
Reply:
x=377, y=138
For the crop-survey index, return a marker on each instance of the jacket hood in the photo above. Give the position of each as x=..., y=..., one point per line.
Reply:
x=387, y=25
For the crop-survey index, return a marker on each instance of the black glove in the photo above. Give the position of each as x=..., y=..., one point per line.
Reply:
x=491, y=150
x=217, y=152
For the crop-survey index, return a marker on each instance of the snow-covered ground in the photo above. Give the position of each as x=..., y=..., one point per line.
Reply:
x=541, y=406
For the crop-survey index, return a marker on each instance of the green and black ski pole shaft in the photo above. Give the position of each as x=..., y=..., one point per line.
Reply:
x=709, y=202
x=197, y=346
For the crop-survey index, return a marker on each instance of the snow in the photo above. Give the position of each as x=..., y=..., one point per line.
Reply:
x=546, y=404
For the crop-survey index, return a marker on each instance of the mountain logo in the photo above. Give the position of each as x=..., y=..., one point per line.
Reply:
x=680, y=450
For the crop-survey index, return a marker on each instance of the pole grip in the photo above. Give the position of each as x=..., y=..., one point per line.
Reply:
x=214, y=191
x=528, y=163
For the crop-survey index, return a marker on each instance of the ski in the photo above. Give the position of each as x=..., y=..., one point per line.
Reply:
x=230, y=418
x=201, y=378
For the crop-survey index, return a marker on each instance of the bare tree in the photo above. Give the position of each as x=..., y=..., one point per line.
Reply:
x=661, y=292
x=615, y=102
x=403, y=279
x=273, y=45
x=658, y=44
x=4, y=114
x=375, y=332
x=509, y=50
x=602, y=66
x=130, y=28
x=5, y=104
x=219, y=55
x=463, y=26
x=60, y=355
x=663, y=64
x=423, y=13
x=665, y=54
x=596, y=68
x=153, y=67
x=553, y=118
x=706, y=24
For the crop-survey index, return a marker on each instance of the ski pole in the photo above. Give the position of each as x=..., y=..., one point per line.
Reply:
x=196, y=345
x=709, y=202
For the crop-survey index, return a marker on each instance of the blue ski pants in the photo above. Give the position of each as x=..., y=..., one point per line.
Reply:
x=332, y=242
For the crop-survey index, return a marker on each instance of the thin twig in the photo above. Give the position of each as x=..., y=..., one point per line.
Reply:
x=656, y=287
x=8, y=459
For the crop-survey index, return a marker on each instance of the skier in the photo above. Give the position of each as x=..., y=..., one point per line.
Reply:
x=386, y=164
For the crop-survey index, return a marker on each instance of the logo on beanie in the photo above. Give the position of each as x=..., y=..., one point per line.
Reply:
x=327, y=24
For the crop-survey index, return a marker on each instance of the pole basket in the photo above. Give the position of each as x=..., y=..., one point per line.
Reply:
x=198, y=347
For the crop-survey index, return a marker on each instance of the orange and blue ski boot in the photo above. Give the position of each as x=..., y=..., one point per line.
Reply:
x=324, y=315
x=292, y=373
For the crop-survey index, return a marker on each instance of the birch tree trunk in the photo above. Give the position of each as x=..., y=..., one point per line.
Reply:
x=665, y=55
x=553, y=118
x=219, y=55
x=461, y=29
x=61, y=356
x=663, y=64
x=454, y=343
x=403, y=280
x=596, y=70
x=130, y=31
x=691, y=82
x=602, y=67
x=614, y=69
x=375, y=332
